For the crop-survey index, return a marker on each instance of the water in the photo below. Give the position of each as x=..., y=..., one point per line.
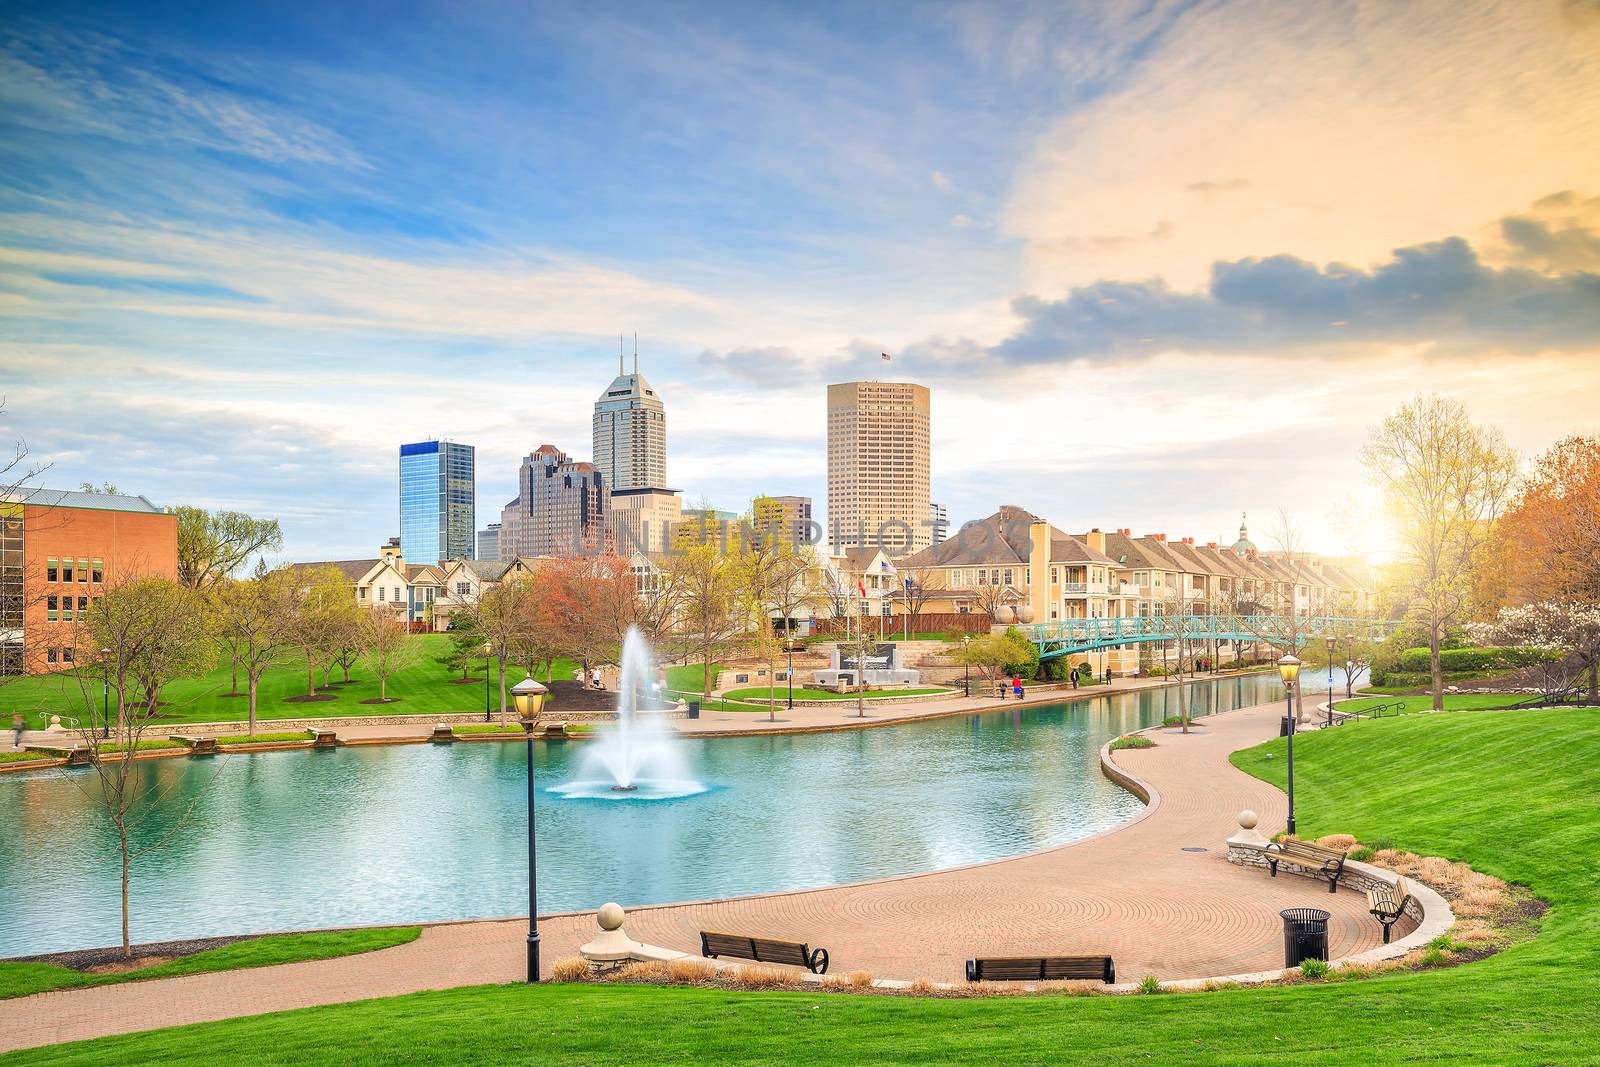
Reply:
x=288, y=840
x=637, y=757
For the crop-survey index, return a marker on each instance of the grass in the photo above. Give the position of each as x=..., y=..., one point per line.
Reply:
x=781, y=692
x=22, y=757
x=1414, y=704
x=423, y=689
x=21, y=979
x=1514, y=795
x=490, y=728
x=255, y=739
x=1131, y=742
x=689, y=678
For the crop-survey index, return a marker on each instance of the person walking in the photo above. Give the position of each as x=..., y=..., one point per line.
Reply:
x=1016, y=686
x=1074, y=677
x=17, y=724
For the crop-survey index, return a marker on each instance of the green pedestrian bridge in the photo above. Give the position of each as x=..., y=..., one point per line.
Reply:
x=1069, y=636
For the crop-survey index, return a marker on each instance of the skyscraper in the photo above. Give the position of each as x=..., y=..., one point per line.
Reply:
x=630, y=433
x=878, y=466
x=438, y=511
x=560, y=509
x=489, y=542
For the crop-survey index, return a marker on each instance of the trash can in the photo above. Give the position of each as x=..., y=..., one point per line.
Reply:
x=1305, y=935
x=694, y=709
x=1285, y=724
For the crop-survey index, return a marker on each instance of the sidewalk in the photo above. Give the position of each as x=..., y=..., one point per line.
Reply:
x=1133, y=892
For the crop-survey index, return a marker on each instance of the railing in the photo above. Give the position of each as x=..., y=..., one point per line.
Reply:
x=1077, y=635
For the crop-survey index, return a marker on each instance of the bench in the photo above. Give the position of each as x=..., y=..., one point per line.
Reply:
x=555, y=729
x=198, y=746
x=1388, y=903
x=321, y=738
x=763, y=950
x=442, y=733
x=1043, y=969
x=1326, y=862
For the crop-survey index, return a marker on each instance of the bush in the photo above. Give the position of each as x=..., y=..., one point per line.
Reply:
x=1314, y=969
x=250, y=739
x=1132, y=742
x=1155, y=672
x=1150, y=984
x=1416, y=661
x=1028, y=665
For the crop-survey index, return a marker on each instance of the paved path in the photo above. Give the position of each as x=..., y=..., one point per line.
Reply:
x=1131, y=892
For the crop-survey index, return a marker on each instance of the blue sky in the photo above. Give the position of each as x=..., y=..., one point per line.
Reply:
x=1159, y=262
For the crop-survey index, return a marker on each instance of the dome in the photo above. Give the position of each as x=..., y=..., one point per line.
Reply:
x=1244, y=546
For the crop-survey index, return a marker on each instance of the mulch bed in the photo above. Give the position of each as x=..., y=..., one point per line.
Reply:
x=383, y=700
x=84, y=958
x=304, y=699
x=466, y=681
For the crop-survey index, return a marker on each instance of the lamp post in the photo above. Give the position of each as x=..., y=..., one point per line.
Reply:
x=487, y=649
x=789, y=677
x=1289, y=670
x=1349, y=663
x=105, y=693
x=1332, y=642
x=530, y=696
x=966, y=667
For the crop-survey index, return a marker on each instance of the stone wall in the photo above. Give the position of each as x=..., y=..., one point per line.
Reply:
x=1354, y=876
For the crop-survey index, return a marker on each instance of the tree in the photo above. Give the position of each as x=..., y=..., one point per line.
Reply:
x=503, y=616
x=386, y=647
x=320, y=620
x=1548, y=544
x=709, y=618
x=255, y=622
x=1563, y=628
x=149, y=631
x=213, y=545
x=774, y=579
x=1444, y=480
x=107, y=488
x=917, y=588
x=16, y=593
x=992, y=654
x=466, y=646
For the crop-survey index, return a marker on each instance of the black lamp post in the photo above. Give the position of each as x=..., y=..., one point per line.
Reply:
x=1332, y=644
x=1289, y=670
x=487, y=714
x=789, y=677
x=530, y=697
x=966, y=667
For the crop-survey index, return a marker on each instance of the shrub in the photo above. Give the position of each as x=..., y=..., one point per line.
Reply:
x=250, y=739
x=1314, y=970
x=1132, y=742
x=859, y=979
x=691, y=971
x=1028, y=665
x=569, y=970
x=1472, y=659
x=1362, y=854
x=921, y=987
x=762, y=978
x=1156, y=672
x=1150, y=984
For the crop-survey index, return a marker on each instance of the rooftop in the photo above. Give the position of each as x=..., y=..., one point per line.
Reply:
x=71, y=498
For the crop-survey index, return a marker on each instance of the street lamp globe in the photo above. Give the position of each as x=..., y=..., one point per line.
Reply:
x=529, y=696
x=1289, y=670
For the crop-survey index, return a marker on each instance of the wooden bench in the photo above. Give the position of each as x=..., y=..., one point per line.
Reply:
x=1388, y=903
x=764, y=950
x=321, y=738
x=1326, y=862
x=1043, y=969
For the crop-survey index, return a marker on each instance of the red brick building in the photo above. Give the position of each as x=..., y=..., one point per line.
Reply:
x=58, y=550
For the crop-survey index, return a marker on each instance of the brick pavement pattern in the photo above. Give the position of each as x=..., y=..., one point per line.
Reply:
x=1131, y=893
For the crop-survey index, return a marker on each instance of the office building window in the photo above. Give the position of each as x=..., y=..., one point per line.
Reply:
x=66, y=570
x=66, y=655
x=52, y=570
x=52, y=607
x=99, y=570
x=83, y=570
x=50, y=655
x=83, y=605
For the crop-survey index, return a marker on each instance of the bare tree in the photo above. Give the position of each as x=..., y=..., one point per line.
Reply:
x=323, y=611
x=149, y=631
x=918, y=587
x=1444, y=480
x=255, y=623
x=502, y=616
x=709, y=616
x=386, y=647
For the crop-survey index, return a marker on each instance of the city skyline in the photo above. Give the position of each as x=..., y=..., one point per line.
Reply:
x=264, y=266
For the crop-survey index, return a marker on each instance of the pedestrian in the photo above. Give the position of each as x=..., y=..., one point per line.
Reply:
x=1074, y=677
x=594, y=679
x=16, y=730
x=1016, y=686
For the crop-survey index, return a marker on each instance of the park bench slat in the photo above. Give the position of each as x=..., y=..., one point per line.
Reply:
x=1388, y=903
x=1327, y=862
x=764, y=950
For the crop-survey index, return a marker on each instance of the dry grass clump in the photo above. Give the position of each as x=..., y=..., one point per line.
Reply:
x=1479, y=903
x=1339, y=841
x=921, y=987
x=645, y=971
x=859, y=979
x=1213, y=985
x=1474, y=932
x=572, y=969
x=763, y=978
x=834, y=983
x=1078, y=988
x=691, y=972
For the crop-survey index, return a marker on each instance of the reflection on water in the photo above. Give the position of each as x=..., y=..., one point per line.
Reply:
x=288, y=840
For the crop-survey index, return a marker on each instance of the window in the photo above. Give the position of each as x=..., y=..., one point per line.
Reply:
x=50, y=654
x=83, y=605
x=99, y=571
x=52, y=607
x=463, y=588
x=66, y=608
x=361, y=592
x=381, y=592
x=66, y=570
x=52, y=570
x=83, y=570
x=66, y=655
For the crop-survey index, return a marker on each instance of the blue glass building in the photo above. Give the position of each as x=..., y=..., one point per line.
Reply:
x=438, y=514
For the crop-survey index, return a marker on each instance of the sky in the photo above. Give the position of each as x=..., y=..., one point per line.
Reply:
x=1160, y=263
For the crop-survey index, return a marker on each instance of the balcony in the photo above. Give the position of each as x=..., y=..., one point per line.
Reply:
x=1083, y=589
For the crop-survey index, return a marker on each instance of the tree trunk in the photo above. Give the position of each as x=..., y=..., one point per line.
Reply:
x=502, y=662
x=252, y=704
x=311, y=678
x=1436, y=667
x=346, y=666
x=127, y=945
x=234, y=690
x=383, y=685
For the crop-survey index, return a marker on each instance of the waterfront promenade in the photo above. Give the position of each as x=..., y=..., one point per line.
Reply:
x=1133, y=893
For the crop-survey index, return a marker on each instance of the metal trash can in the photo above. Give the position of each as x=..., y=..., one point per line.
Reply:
x=1284, y=725
x=1305, y=935
x=694, y=709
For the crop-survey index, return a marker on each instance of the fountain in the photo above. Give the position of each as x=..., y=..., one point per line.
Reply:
x=638, y=757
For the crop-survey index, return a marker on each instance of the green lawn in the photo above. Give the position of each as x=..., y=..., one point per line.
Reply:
x=1514, y=795
x=21, y=979
x=689, y=678
x=423, y=689
x=1412, y=704
x=781, y=692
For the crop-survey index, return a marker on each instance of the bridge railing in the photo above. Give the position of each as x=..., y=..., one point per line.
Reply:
x=1081, y=634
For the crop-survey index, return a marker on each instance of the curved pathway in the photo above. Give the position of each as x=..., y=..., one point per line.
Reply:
x=1132, y=893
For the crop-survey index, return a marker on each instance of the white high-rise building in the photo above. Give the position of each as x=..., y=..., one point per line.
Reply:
x=630, y=433
x=878, y=452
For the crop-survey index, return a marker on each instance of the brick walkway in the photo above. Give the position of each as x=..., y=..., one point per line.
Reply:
x=1132, y=893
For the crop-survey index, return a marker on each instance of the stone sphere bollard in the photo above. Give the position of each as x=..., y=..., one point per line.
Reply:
x=1025, y=613
x=1247, y=819
x=1247, y=842
x=610, y=916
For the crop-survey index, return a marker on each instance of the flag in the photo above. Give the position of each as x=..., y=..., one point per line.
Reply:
x=885, y=357
x=861, y=584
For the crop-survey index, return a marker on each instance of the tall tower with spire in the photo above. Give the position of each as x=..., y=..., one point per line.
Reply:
x=630, y=431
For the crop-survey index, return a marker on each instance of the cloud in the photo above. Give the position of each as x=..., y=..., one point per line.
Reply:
x=1561, y=232
x=941, y=180
x=758, y=365
x=1440, y=296
x=967, y=222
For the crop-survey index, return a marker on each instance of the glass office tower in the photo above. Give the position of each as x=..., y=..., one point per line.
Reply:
x=438, y=516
